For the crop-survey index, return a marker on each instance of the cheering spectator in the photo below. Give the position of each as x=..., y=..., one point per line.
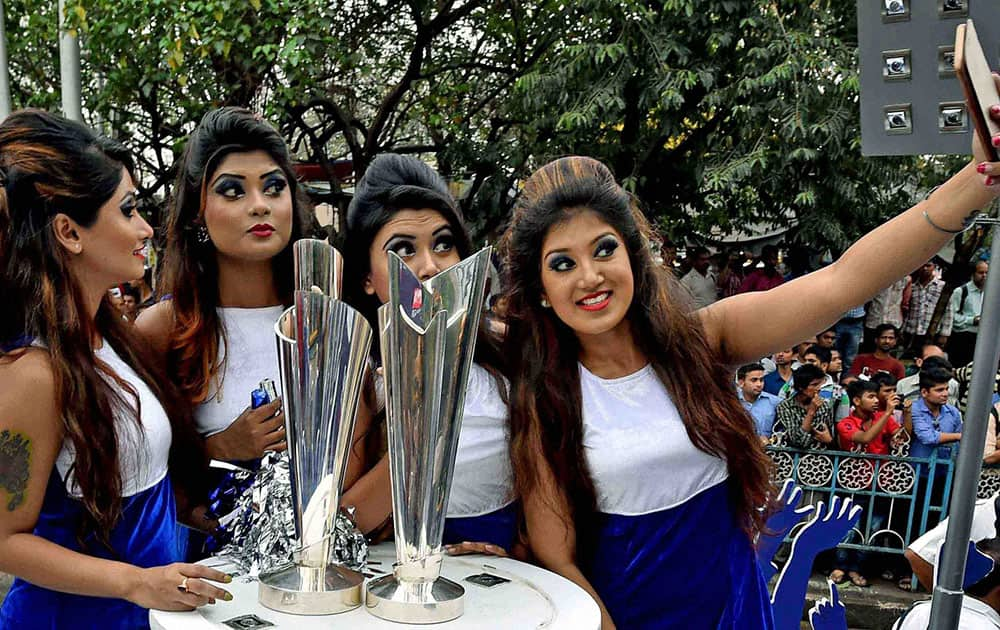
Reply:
x=766, y=277
x=880, y=360
x=967, y=306
x=806, y=416
x=782, y=374
x=759, y=404
x=924, y=296
x=700, y=281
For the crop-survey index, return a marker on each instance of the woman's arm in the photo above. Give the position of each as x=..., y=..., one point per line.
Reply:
x=819, y=298
x=367, y=487
x=30, y=438
x=155, y=325
x=552, y=536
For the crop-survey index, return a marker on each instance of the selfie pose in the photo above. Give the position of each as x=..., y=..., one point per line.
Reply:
x=639, y=471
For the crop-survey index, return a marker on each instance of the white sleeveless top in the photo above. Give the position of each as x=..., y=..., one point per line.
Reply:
x=637, y=448
x=143, y=451
x=249, y=356
x=483, y=480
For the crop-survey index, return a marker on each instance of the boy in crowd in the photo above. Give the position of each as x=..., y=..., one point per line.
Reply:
x=887, y=393
x=759, y=404
x=886, y=336
x=936, y=423
x=872, y=430
x=805, y=415
x=829, y=390
x=931, y=356
x=936, y=426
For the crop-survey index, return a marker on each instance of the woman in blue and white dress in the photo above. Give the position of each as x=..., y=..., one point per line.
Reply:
x=87, y=426
x=403, y=206
x=228, y=271
x=639, y=472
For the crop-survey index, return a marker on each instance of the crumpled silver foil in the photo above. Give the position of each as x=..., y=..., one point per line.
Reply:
x=263, y=527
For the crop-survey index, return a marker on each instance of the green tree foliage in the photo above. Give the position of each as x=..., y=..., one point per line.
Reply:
x=714, y=112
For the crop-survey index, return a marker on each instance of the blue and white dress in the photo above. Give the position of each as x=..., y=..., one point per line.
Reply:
x=669, y=551
x=249, y=356
x=145, y=535
x=481, y=506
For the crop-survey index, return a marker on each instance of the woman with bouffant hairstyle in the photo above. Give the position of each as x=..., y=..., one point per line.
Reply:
x=88, y=427
x=228, y=271
x=639, y=471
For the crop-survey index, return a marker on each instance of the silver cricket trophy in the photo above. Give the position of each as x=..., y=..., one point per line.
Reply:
x=428, y=334
x=323, y=347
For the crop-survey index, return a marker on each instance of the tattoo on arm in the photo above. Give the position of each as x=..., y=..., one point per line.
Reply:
x=15, y=456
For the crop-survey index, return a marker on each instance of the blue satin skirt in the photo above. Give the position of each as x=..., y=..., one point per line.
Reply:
x=690, y=567
x=145, y=536
x=497, y=528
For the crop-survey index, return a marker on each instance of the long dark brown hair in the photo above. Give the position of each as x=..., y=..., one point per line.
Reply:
x=52, y=166
x=191, y=273
x=546, y=408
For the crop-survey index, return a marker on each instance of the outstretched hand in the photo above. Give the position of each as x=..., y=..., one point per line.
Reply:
x=828, y=525
x=787, y=515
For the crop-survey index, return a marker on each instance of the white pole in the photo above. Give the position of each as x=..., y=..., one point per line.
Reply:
x=4, y=74
x=69, y=69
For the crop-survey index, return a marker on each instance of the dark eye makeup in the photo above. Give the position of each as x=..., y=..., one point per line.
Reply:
x=229, y=188
x=128, y=205
x=606, y=246
x=561, y=262
x=402, y=247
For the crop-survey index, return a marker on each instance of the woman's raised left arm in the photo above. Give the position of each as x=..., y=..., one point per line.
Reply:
x=748, y=326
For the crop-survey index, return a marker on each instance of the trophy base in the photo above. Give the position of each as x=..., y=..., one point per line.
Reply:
x=389, y=598
x=300, y=590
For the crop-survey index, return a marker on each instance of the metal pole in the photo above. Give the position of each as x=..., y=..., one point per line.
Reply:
x=947, y=602
x=5, y=105
x=69, y=69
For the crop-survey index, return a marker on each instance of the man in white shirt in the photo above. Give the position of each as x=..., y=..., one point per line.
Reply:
x=981, y=601
x=967, y=305
x=700, y=281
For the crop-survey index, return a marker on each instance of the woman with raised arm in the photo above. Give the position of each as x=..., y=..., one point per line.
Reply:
x=403, y=206
x=228, y=271
x=640, y=475
x=87, y=424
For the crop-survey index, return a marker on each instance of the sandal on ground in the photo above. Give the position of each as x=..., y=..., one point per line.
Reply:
x=857, y=579
x=837, y=576
x=888, y=575
x=905, y=584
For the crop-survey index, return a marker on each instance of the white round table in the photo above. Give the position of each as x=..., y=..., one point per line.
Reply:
x=533, y=598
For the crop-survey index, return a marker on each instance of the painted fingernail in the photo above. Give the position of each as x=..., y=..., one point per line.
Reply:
x=995, y=109
x=981, y=168
x=228, y=597
x=989, y=181
x=996, y=141
x=227, y=579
